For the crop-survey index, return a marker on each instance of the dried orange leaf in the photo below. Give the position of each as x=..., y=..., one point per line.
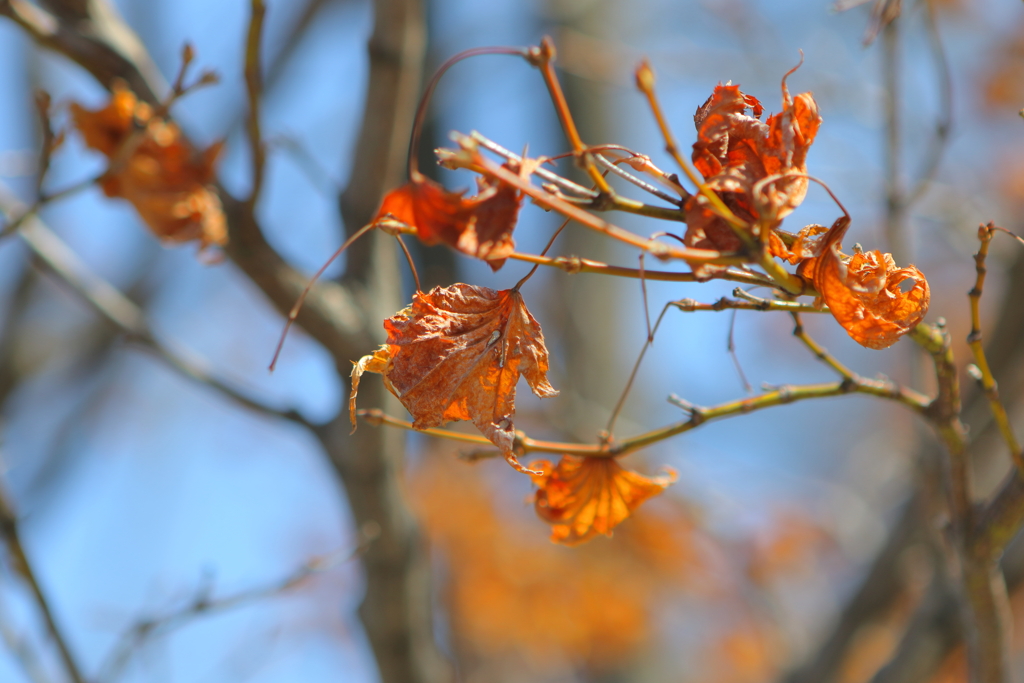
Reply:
x=735, y=151
x=457, y=354
x=808, y=243
x=583, y=497
x=163, y=177
x=480, y=226
x=864, y=291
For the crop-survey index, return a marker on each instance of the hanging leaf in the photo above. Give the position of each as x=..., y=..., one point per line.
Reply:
x=582, y=497
x=155, y=169
x=480, y=226
x=457, y=354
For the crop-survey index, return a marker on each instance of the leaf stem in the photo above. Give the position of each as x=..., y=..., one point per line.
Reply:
x=974, y=340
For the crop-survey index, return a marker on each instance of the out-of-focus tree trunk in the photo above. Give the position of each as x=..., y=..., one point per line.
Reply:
x=592, y=352
x=345, y=318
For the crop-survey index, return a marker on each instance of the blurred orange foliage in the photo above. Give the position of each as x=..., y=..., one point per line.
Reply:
x=512, y=594
x=154, y=168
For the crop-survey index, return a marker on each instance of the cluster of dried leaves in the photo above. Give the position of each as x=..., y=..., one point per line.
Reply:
x=154, y=167
x=759, y=170
x=458, y=352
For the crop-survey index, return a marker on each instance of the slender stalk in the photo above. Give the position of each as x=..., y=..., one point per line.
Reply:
x=613, y=449
x=254, y=90
x=575, y=264
x=588, y=220
x=985, y=601
x=819, y=351
x=543, y=58
x=974, y=339
x=24, y=567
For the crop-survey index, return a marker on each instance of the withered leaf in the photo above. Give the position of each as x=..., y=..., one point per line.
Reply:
x=746, y=161
x=480, y=226
x=582, y=497
x=808, y=243
x=164, y=178
x=864, y=291
x=457, y=354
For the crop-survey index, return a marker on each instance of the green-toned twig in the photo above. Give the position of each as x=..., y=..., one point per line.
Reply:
x=819, y=351
x=983, y=372
x=756, y=251
x=575, y=264
x=746, y=302
x=613, y=449
x=254, y=91
x=984, y=590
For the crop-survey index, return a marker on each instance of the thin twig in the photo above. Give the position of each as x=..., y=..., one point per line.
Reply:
x=21, y=649
x=568, y=210
x=109, y=302
x=613, y=449
x=983, y=373
x=819, y=351
x=202, y=604
x=944, y=124
x=543, y=57
x=575, y=264
x=984, y=591
x=746, y=303
x=24, y=567
x=254, y=91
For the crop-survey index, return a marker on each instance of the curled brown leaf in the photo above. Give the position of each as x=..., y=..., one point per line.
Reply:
x=756, y=167
x=865, y=291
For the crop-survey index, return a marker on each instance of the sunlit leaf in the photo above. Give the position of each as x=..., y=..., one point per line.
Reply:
x=583, y=497
x=753, y=165
x=480, y=226
x=457, y=354
x=865, y=291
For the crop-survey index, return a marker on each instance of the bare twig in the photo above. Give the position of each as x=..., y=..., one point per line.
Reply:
x=21, y=649
x=984, y=589
x=982, y=371
x=944, y=123
x=109, y=302
x=24, y=567
x=254, y=90
x=203, y=604
x=611, y=448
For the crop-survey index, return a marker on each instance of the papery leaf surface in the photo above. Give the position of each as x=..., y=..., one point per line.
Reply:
x=457, y=354
x=582, y=497
x=865, y=291
x=751, y=164
x=480, y=226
